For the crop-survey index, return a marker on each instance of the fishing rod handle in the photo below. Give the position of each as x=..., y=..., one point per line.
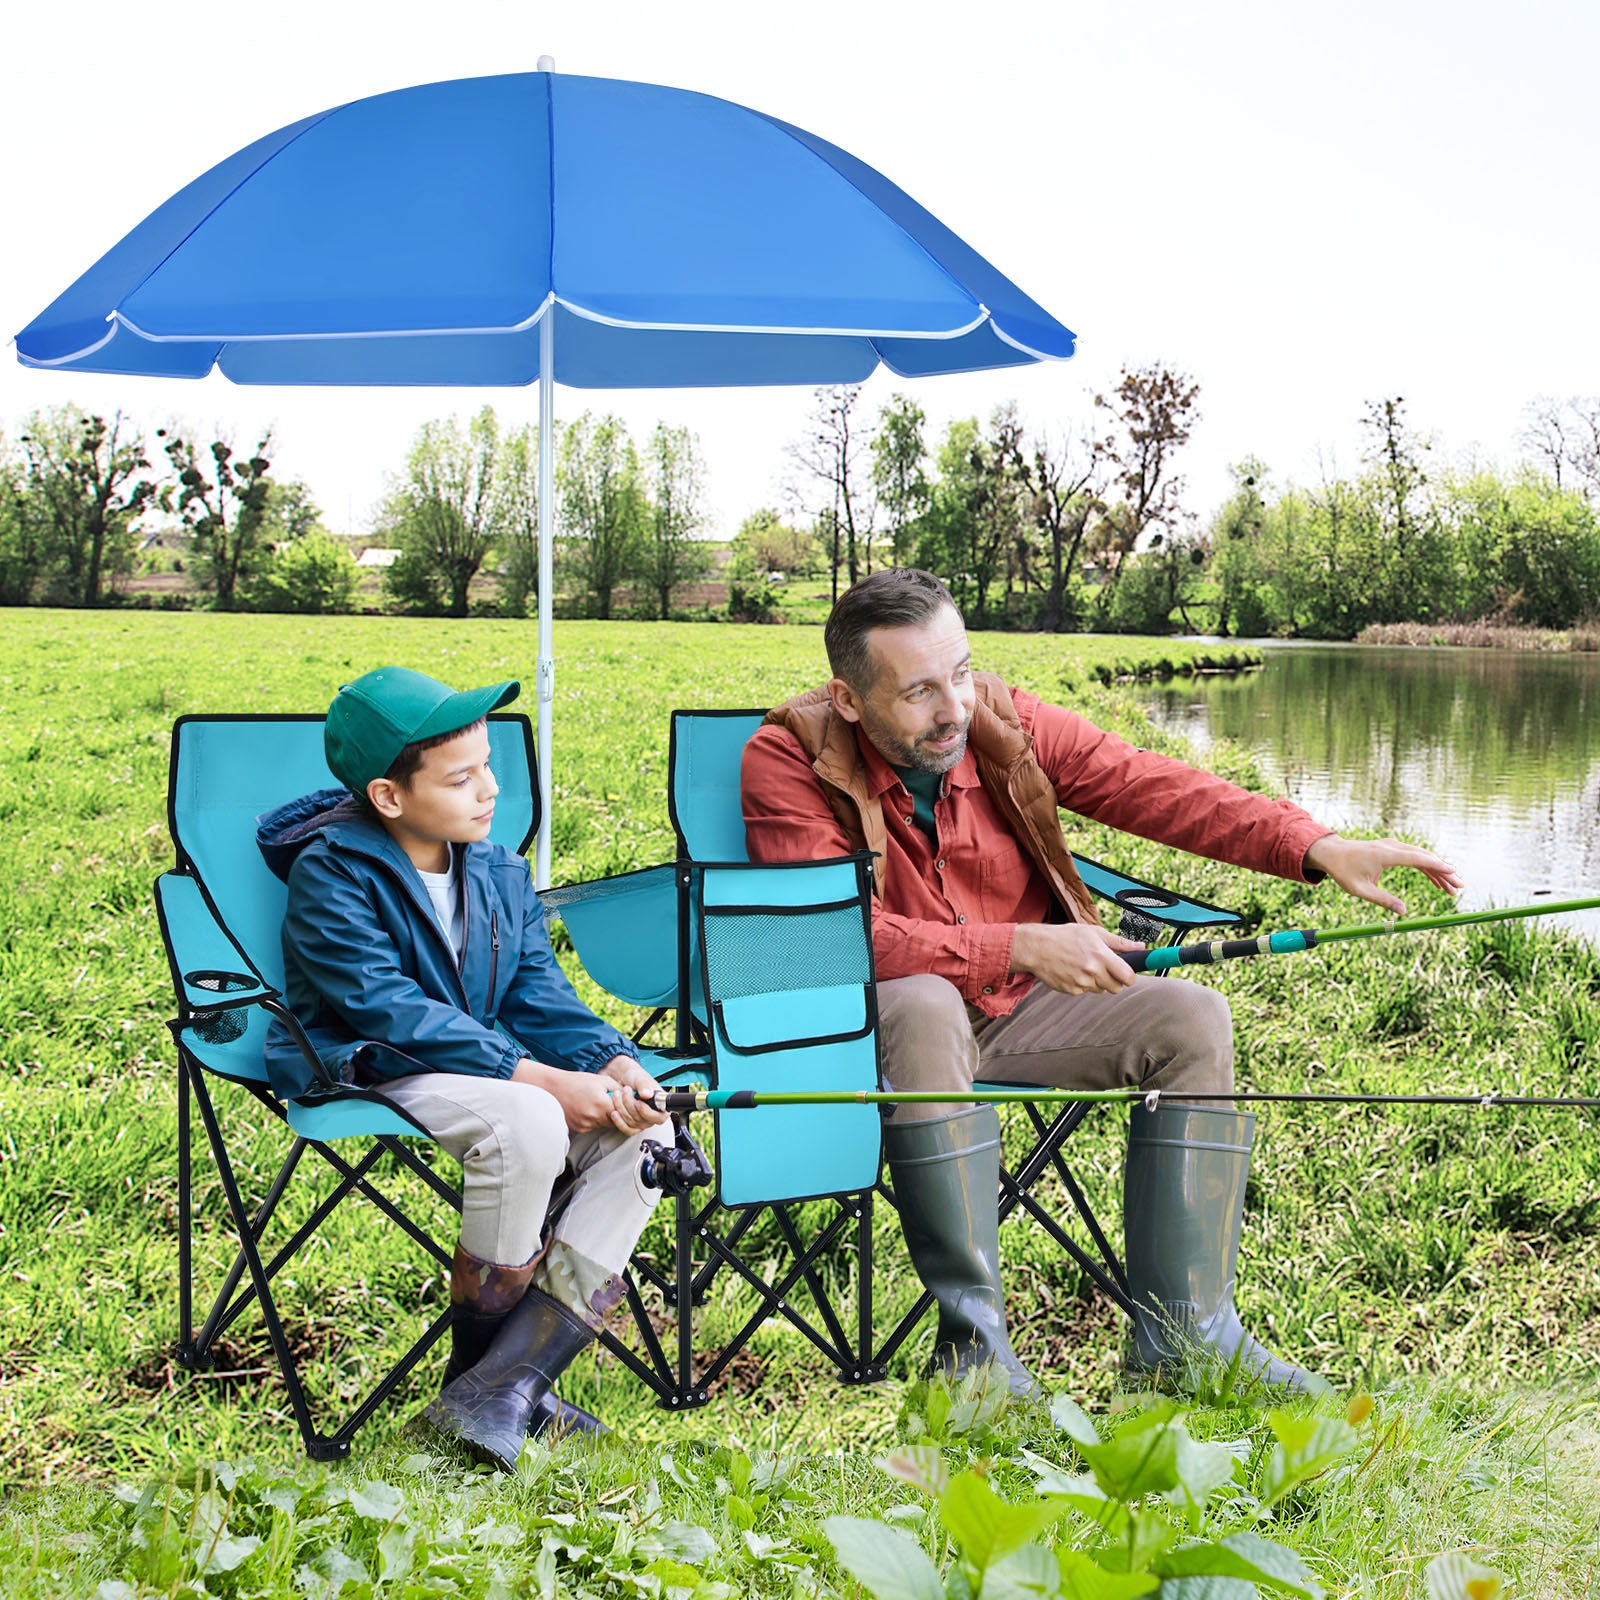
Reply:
x=1199, y=955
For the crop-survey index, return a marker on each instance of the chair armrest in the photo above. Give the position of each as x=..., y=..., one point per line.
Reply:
x=210, y=973
x=1147, y=904
x=625, y=930
x=209, y=970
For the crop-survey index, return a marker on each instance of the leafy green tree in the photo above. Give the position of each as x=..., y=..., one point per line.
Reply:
x=674, y=551
x=223, y=504
x=86, y=487
x=21, y=543
x=603, y=506
x=1525, y=550
x=1413, y=562
x=314, y=573
x=444, y=513
x=1157, y=582
x=899, y=475
x=774, y=545
x=1240, y=560
x=517, y=541
x=291, y=512
x=979, y=509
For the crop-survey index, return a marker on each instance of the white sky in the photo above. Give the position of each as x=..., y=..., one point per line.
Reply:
x=1303, y=207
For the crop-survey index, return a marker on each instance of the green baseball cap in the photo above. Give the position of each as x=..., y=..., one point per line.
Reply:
x=373, y=719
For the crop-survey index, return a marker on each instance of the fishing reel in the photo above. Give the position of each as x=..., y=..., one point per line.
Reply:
x=676, y=1168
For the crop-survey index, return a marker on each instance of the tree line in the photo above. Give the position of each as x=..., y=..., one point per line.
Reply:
x=1084, y=528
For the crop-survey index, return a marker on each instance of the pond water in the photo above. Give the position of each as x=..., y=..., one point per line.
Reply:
x=1491, y=756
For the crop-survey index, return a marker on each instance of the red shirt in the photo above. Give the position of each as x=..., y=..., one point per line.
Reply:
x=952, y=910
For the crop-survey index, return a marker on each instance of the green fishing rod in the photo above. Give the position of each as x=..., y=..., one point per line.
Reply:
x=1291, y=940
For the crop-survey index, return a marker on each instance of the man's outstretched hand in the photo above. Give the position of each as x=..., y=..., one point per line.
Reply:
x=1074, y=957
x=1357, y=864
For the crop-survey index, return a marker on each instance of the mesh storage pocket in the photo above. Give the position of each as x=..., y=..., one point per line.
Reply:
x=219, y=1027
x=768, y=949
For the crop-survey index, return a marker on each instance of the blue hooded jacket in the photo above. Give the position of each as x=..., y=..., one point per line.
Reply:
x=371, y=976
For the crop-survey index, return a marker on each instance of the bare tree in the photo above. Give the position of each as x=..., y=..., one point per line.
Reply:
x=1152, y=414
x=1062, y=476
x=832, y=453
x=224, y=506
x=1564, y=437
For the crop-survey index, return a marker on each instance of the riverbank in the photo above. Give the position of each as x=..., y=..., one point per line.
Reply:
x=1483, y=636
x=1444, y=1260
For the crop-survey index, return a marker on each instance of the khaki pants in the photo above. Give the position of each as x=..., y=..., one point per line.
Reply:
x=512, y=1142
x=1163, y=1033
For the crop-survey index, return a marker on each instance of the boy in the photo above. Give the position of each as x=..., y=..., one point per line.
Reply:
x=416, y=958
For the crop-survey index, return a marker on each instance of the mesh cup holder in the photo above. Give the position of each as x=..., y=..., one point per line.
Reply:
x=219, y=1027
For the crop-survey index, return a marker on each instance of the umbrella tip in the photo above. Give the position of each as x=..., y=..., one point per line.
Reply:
x=546, y=63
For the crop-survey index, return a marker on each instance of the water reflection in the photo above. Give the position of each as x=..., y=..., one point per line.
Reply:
x=1493, y=756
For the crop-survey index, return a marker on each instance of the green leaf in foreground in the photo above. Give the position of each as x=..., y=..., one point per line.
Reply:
x=1072, y=1420
x=987, y=1527
x=1242, y=1555
x=885, y=1563
x=1141, y=1460
x=1207, y=1589
x=921, y=1465
x=1084, y=1579
x=1306, y=1448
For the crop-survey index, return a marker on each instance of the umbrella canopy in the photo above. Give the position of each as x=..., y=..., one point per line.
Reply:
x=530, y=227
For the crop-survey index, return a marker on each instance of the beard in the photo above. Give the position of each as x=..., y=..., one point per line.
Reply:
x=917, y=755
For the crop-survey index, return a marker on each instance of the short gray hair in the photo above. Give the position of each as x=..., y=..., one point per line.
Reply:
x=896, y=597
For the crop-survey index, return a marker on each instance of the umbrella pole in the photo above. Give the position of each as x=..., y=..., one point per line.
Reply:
x=546, y=668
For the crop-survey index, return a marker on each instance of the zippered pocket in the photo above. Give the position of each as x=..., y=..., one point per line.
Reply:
x=494, y=953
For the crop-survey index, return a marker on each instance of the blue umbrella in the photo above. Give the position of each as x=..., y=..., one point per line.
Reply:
x=529, y=227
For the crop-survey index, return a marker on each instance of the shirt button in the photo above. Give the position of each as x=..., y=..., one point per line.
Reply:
x=939, y=865
x=911, y=819
x=988, y=988
x=962, y=917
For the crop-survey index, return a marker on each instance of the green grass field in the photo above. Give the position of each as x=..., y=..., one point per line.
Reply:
x=1445, y=1260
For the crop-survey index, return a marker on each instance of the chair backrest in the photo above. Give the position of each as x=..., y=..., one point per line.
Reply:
x=786, y=956
x=703, y=796
x=226, y=770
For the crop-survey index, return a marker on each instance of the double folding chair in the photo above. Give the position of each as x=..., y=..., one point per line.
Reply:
x=766, y=972
x=643, y=928
x=221, y=911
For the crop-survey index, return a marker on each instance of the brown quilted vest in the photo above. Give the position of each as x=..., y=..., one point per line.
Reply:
x=1011, y=777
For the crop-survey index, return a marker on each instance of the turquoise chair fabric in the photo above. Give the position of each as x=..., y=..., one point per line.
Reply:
x=787, y=954
x=221, y=910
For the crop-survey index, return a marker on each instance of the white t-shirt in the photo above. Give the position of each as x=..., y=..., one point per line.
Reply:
x=444, y=890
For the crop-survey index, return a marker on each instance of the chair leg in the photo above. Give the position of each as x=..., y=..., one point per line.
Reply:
x=318, y=1445
x=186, y=1354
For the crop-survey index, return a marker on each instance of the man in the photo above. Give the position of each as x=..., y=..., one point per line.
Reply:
x=992, y=962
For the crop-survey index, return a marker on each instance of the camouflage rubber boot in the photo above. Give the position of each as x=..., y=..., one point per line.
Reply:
x=483, y=1295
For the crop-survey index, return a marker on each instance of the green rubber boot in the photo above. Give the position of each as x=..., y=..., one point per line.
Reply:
x=1183, y=1208
x=946, y=1176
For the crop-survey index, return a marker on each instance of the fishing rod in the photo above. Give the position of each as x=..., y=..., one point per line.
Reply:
x=1290, y=940
x=691, y=1100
